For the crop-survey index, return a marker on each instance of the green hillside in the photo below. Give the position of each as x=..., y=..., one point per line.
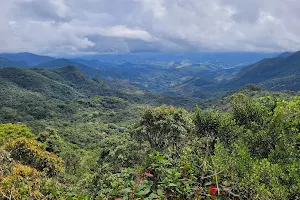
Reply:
x=75, y=78
x=59, y=63
x=7, y=63
x=190, y=87
x=278, y=73
x=63, y=83
x=29, y=87
x=30, y=80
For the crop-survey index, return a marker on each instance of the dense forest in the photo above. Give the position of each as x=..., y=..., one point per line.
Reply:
x=65, y=135
x=149, y=99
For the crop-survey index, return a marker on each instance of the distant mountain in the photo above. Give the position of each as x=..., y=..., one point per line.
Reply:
x=62, y=62
x=227, y=59
x=29, y=58
x=59, y=63
x=116, y=77
x=37, y=85
x=109, y=75
x=201, y=75
x=8, y=63
x=95, y=63
x=33, y=81
x=285, y=54
x=279, y=73
x=205, y=84
x=5, y=63
x=103, y=73
x=157, y=72
x=67, y=83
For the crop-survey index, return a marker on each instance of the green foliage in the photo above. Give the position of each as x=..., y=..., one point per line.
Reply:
x=13, y=131
x=52, y=141
x=164, y=127
x=206, y=123
x=5, y=161
x=247, y=112
x=22, y=182
x=120, y=151
x=31, y=152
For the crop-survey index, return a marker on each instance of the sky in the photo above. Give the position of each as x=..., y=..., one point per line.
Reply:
x=80, y=27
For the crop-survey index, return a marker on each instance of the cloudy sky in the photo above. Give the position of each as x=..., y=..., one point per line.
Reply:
x=89, y=26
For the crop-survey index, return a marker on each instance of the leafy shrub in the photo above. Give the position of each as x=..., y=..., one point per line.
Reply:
x=31, y=152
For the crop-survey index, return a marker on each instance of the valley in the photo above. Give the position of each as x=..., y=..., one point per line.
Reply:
x=157, y=73
x=173, y=127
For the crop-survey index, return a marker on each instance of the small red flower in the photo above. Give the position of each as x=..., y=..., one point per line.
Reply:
x=118, y=199
x=148, y=175
x=213, y=190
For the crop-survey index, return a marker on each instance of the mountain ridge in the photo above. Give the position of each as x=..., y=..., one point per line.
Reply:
x=267, y=70
x=29, y=58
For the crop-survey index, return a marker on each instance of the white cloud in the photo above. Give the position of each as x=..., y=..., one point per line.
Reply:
x=76, y=26
x=156, y=7
x=125, y=32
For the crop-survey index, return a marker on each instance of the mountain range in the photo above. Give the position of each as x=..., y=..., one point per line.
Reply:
x=279, y=73
x=185, y=76
x=29, y=58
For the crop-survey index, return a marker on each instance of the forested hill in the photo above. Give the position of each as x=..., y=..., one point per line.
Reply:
x=279, y=73
x=59, y=63
x=65, y=84
x=33, y=89
x=8, y=63
x=29, y=58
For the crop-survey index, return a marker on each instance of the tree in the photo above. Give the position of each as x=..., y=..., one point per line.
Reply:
x=248, y=112
x=164, y=127
x=31, y=152
x=52, y=141
x=5, y=161
x=13, y=131
x=206, y=123
x=23, y=182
